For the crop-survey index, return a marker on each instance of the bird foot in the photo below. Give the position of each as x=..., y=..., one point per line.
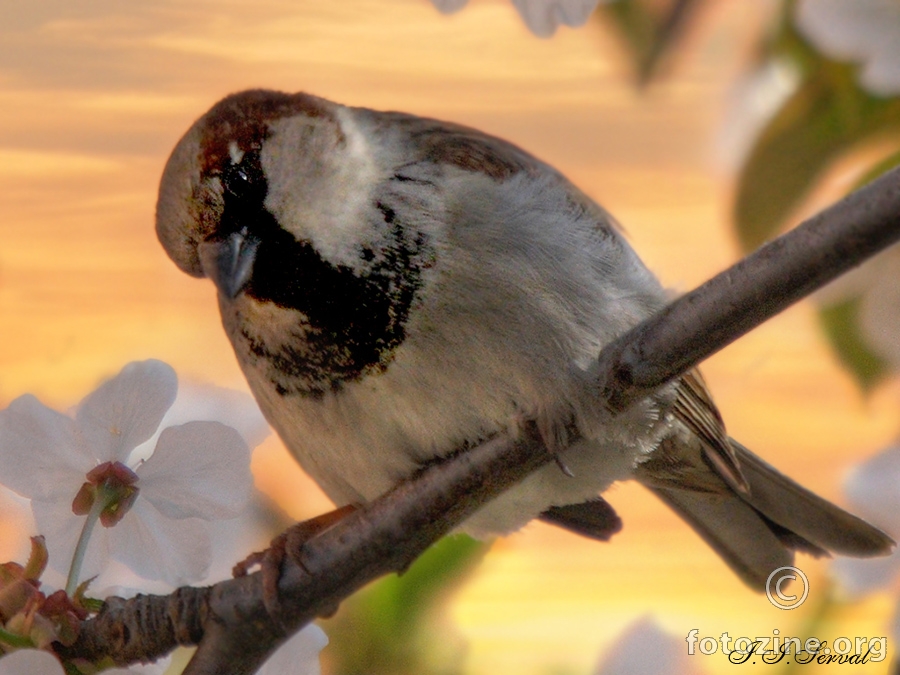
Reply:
x=288, y=543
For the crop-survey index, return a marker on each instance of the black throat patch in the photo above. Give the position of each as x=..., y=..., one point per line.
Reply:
x=349, y=322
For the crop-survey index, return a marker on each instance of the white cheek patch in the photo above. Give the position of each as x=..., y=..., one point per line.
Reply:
x=235, y=153
x=320, y=186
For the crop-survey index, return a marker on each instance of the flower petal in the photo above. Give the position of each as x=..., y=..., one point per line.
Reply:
x=120, y=580
x=299, y=655
x=156, y=547
x=30, y=662
x=209, y=403
x=863, y=31
x=125, y=411
x=157, y=668
x=40, y=457
x=233, y=539
x=862, y=576
x=644, y=648
x=544, y=16
x=880, y=308
x=871, y=488
x=838, y=28
x=199, y=469
x=881, y=73
x=61, y=529
x=449, y=6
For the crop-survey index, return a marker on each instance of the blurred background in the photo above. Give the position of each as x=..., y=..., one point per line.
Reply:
x=705, y=127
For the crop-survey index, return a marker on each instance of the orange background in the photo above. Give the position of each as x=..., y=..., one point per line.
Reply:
x=93, y=98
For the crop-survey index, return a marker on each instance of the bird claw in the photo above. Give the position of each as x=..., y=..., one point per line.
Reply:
x=562, y=466
x=289, y=543
x=557, y=437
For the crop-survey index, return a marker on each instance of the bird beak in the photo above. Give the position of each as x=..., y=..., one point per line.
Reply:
x=229, y=262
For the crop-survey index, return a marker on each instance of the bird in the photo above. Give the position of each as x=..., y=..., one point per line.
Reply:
x=396, y=288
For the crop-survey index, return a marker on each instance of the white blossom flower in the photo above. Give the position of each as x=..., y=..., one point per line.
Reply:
x=644, y=648
x=206, y=402
x=876, y=286
x=449, y=6
x=38, y=662
x=542, y=17
x=866, y=32
x=30, y=662
x=873, y=490
x=299, y=655
x=197, y=472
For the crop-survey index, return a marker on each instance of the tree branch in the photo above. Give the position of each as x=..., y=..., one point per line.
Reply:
x=230, y=622
x=770, y=279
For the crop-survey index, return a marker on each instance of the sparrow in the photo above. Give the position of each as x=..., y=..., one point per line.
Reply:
x=397, y=288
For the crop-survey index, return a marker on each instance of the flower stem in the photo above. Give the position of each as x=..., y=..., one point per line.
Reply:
x=100, y=503
x=14, y=640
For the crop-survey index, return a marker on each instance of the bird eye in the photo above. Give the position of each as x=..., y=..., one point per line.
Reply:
x=244, y=181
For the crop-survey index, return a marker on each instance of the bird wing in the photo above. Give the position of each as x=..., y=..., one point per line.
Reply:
x=695, y=409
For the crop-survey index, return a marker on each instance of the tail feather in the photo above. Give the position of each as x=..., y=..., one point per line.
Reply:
x=798, y=510
x=755, y=531
x=734, y=530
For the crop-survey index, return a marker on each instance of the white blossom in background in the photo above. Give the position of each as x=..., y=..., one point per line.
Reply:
x=873, y=491
x=30, y=662
x=876, y=285
x=208, y=403
x=38, y=662
x=542, y=17
x=297, y=656
x=449, y=6
x=866, y=32
x=644, y=648
x=197, y=472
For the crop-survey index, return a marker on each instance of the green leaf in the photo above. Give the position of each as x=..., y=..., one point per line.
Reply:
x=634, y=25
x=789, y=156
x=649, y=33
x=395, y=626
x=827, y=115
x=669, y=29
x=841, y=324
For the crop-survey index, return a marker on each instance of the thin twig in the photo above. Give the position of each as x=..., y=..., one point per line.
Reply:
x=757, y=288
